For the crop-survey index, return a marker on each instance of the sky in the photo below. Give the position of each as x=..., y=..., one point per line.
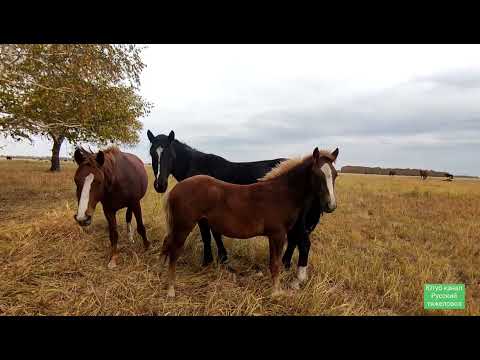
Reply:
x=407, y=106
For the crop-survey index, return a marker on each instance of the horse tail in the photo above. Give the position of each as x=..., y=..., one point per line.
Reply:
x=168, y=212
x=167, y=209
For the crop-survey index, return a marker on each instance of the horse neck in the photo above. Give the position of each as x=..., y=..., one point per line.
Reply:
x=299, y=186
x=182, y=162
x=108, y=169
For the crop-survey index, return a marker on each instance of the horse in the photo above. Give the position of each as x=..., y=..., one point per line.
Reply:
x=449, y=177
x=423, y=174
x=269, y=207
x=170, y=156
x=117, y=180
x=392, y=173
x=9, y=158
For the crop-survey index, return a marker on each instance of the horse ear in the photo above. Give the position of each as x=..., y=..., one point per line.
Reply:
x=171, y=136
x=78, y=156
x=151, y=137
x=100, y=158
x=316, y=154
x=335, y=154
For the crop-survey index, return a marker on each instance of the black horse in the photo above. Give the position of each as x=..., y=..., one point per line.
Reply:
x=169, y=156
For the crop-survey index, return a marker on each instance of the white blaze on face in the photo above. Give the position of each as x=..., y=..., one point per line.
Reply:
x=84, y=197
x=329, y=179
x=159, y=153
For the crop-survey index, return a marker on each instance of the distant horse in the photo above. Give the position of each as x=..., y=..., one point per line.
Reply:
x=449, y=177
x=392, y=173
x=169, y=156
x=269, y=207
x=9, y=158
x=423, y=174
x=117, y=180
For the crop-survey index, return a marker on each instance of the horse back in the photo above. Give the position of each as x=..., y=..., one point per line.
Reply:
x=241, y=173
x=129, y=179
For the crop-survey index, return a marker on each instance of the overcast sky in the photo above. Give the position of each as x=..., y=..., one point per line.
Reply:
x=414, y=106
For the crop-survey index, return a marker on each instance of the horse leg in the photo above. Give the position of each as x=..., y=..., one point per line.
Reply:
x=112, y=227
x=128, y=218
x=306, y=227
x=303, y=250
x=222, y=252
x=287, y=256
x=276, y=243
x=207, y=241
x=173, y=247
x=137, y=211
x=294, y=237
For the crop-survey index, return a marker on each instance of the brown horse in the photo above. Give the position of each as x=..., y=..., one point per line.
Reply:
x=117, y=180
x=267, y=208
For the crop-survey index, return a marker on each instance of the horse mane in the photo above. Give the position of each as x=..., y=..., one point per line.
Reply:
x=188, y=147
x=109, y=164
x=289, y=164
x=90, y=155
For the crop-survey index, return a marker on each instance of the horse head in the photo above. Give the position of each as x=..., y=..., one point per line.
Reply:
x=163, y=158
x=323, y=178
x=91, y=183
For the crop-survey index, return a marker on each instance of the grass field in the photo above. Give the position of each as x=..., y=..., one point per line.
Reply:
x=372, y=256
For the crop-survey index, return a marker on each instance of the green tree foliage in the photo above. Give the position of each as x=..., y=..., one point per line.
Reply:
x=79, y=92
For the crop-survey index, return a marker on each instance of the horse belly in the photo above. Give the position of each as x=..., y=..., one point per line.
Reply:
x=236, y=225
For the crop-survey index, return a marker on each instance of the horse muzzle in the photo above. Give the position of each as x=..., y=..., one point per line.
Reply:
x=330, y=208
x=160, y=187
x=84, y=222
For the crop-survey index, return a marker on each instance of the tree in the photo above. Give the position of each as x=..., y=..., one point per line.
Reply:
x=77, y=92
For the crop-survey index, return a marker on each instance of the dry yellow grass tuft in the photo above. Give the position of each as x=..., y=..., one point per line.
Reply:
x=372, y=256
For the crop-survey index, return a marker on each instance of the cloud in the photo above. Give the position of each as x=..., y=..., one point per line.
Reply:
x=392, y=105
x=417, y=114
x=462, y=78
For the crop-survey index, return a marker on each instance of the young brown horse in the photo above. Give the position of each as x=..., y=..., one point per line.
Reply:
x=117, y=180
x=267, y=208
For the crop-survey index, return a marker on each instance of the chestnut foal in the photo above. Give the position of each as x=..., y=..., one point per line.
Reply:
x=267, y=208
x=117, y=180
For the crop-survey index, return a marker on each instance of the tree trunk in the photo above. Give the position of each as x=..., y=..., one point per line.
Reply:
x=57, y=144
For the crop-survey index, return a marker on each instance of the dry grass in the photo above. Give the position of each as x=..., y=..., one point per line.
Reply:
x=387, y=238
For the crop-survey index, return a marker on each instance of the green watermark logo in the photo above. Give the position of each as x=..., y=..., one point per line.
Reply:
x=444, y=296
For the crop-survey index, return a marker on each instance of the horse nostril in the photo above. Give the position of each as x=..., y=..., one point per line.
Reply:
x=85, y=222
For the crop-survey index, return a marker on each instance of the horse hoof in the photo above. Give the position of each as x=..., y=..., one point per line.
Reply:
x=207, y=262
x=278, y=292
x=112, y=264
x=171, y=292
x=295, y=284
